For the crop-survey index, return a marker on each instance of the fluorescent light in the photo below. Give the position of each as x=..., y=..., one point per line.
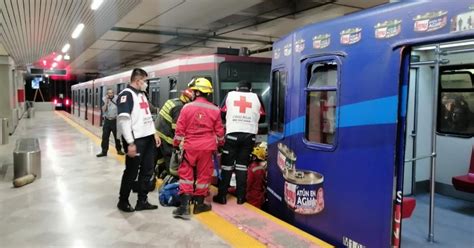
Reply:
x=96, y=4
x=54, y=65
x=266, y=91
x=65, y=48
x=66, y=57
x=58, y=58
x=448, y=45
x=77, y=31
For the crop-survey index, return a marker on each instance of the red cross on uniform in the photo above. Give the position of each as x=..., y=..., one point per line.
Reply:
x=144, y=105
x=242, y=104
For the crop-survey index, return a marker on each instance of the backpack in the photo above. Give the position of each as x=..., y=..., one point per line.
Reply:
x=168, y=195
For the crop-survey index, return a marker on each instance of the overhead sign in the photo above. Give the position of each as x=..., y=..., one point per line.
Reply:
x=38, y=71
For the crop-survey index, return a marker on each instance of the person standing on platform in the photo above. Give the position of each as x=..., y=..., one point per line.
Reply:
x=138, y=132
x=200, y=127
x=166, y=125
x=109, y=110
x=243, y=111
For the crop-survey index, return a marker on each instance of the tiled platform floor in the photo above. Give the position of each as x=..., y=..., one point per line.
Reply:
x=73, y=204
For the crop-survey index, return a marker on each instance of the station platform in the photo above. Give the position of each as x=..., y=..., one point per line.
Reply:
x=73, y=204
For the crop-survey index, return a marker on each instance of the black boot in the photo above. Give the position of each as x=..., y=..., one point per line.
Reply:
x=219, y=199
x=125, y=206
x=144, y=205
x=183, y=211
x=200, y=206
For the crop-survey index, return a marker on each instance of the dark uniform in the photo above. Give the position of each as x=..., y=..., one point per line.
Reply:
x=166, y=125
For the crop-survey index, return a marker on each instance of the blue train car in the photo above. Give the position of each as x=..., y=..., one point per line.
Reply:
x=338, y=117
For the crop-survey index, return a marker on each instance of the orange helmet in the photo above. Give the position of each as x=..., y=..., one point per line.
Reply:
x=187, y=95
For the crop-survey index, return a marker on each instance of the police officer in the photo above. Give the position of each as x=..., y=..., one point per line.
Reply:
x=166, y=124
x=137, y=128
x=243, y=111
x=200, y=127
x=109, y=110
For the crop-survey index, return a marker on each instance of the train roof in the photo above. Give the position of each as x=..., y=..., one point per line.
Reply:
x=393, y=24
x=154, y=70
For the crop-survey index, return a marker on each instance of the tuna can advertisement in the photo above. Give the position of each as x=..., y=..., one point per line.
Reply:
x=351, y=36
x=321, y=41
x=388, y=29
x=303, y=191
x=430, y=21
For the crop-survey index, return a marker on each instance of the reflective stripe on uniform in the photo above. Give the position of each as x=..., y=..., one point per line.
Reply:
x=225, y=151
x=227, y=167
x=202, y=186
x=160, y=161
x=231, y=137
x=184, y=181
x=165, y=111
x=260, y=167
x=240, y=167
x=173, y=125
x=168, y=139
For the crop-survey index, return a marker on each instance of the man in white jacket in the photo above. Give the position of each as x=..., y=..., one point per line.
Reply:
x=138, y=132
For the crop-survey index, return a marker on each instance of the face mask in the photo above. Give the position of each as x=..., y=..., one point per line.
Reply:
x=144, y=86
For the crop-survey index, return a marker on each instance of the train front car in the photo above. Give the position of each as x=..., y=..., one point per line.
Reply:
x=337, y=124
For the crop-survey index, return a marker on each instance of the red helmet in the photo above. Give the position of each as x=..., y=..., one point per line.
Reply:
x=187, y=95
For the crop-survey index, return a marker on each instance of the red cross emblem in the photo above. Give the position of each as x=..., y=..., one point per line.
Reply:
x=144, y=105
x=242, y=104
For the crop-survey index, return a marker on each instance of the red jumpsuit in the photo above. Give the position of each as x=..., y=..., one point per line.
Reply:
x=256, y=183
x=200, y=125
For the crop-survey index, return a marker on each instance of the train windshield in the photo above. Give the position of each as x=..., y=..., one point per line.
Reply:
x=230, y=73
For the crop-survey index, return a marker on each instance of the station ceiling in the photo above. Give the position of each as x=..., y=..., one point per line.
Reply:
x=122, y=34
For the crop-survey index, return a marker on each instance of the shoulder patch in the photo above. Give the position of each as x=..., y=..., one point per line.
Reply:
x=123, y=99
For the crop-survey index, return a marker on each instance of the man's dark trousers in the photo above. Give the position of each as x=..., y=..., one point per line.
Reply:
x=110, y=126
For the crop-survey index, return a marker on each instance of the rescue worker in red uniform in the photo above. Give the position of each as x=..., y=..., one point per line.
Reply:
x=243, y=111
x=166, y=125
x=200, y=127
x=257, y=174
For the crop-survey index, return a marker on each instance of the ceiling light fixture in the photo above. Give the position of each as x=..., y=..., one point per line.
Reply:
x=58, y=58
x=96, y=4
x=66, y=57
x=448, y=45
x=77, y=31
x=65, y=48
x=54, y=65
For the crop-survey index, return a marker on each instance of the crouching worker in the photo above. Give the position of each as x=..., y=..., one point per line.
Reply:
x=257, y=175
x=200, y=127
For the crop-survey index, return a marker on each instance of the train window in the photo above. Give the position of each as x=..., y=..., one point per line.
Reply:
x=96, y=97
x=173, y=93
x=277, y=121
x=456, y=101
x=321, y=103
x=154, y=85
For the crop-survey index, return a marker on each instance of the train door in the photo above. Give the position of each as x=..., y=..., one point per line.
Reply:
x=173, y=87
x=102, y=92
x=154, y=89
x=439, y=141
x=86, y=103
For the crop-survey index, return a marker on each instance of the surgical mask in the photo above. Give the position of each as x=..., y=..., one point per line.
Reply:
x=144, y=86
